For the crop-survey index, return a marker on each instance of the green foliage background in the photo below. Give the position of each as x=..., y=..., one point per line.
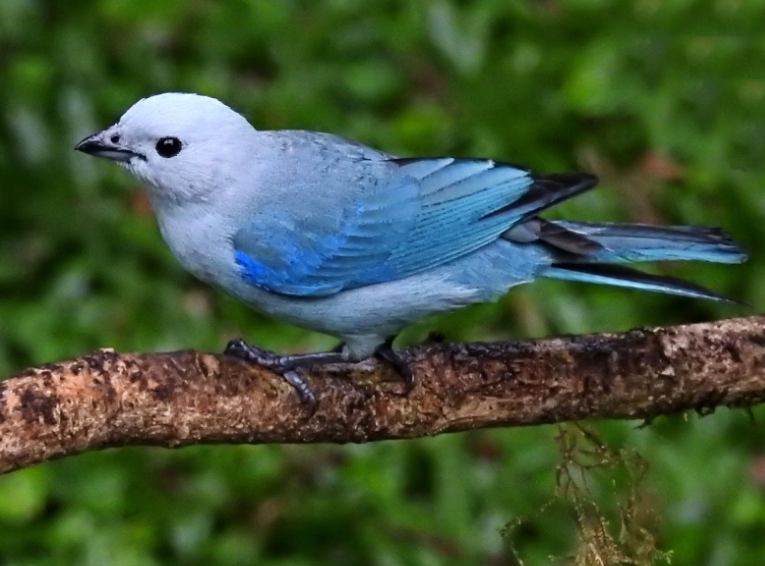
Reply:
x=648, y=94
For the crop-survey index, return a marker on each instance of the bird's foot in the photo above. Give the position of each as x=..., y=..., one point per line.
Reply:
x=386, y=352
x=248, y=352
x=287, y=366
x=253, y=354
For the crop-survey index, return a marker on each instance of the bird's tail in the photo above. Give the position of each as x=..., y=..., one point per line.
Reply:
x=624, y=243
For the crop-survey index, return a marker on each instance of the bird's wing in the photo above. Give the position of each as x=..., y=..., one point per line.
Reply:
x=436, y=210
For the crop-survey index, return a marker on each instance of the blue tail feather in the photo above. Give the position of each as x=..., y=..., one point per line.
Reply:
x=642, y=242
x=622, y=243
x=620, y=276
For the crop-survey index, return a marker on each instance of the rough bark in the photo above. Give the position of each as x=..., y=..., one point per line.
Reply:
x=107, y=399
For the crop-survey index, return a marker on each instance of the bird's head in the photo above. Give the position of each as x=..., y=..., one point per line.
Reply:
x=184, y=146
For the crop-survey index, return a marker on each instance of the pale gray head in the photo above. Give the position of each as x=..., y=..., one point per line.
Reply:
x=184, y=146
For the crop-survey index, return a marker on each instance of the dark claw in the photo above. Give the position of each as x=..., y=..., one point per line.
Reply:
x=238, y=348
x=404, y=369
x=304, y=390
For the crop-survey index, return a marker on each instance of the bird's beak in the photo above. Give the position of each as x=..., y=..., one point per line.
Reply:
x=104, y=144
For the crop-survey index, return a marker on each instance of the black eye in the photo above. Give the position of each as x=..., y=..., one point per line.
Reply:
x=169, y=147
x=115, y=139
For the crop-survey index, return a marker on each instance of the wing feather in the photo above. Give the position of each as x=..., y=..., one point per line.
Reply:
x=433, y=211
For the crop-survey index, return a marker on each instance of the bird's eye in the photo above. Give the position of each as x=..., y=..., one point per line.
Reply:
x=169, y=147
x=115, y=139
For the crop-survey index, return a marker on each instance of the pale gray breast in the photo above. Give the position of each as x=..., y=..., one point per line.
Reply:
x=201, y=242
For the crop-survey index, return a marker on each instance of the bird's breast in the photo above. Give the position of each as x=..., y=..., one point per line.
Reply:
x=202, y=245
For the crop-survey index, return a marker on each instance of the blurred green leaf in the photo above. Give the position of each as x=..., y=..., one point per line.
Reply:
x=612, y=87
x=23, y=495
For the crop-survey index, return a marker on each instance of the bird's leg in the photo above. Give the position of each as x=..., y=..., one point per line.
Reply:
x=339, y=347
x=386, y=352
x=287, y=366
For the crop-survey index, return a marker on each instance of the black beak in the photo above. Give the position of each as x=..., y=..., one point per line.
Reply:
x=103, y=145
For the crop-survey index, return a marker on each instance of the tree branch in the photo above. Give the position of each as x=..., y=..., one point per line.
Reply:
x=106, y=399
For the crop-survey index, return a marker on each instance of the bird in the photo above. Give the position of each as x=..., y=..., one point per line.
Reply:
x=331, y=235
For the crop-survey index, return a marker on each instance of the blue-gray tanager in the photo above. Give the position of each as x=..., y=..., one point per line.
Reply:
x=328, y=234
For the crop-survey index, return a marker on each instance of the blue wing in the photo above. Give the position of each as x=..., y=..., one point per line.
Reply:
x=436, y=210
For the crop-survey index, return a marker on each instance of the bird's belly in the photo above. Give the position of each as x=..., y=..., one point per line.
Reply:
x=381, y=310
